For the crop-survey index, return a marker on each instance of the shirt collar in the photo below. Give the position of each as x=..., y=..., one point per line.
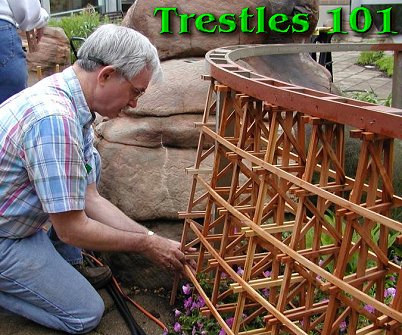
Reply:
x=85, y=116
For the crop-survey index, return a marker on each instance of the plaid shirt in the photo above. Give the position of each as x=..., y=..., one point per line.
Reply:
x=46, y=154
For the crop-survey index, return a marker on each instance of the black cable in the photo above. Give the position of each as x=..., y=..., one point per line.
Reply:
x=121, y=305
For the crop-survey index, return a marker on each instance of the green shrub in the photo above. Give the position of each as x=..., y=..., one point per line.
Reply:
x=372, y=97
x=369, y=57
x=79, y=25
x=367, y=96
x=386, y=64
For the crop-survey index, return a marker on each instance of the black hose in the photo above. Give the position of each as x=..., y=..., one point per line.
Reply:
x=121, y=305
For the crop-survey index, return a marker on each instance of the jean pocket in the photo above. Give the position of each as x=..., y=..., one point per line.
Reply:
x=8, y=37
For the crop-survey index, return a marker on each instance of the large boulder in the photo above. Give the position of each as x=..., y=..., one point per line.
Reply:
x=297, y=69
x=181, y=90
x=53, y=49
x=155, y=142
x=195, y=43
x=144, y=162
x=176, y=131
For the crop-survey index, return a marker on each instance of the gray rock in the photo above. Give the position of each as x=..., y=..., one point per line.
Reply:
x=297, y=69
x=146, y=183
x=141, y=17
x=53, y=49
x=151, y=132
x=181, y=90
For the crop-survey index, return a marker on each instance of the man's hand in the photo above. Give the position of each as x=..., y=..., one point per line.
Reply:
x=165, y=252
x=39, y=34
x=33, y=38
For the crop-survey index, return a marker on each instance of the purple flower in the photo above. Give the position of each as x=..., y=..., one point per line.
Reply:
x=369, y=308
x=265, y=292
x=200, y=325
x=240, y=271
x=194, y=305
x=224, y=275
x=321, y=262
x=188, y=302
x=342, y=326
x=186, y=289
x=204, y=332
x=201, y=302
x=177, y=327
x=267, y=273
x=391, y=291
x=229, y=321
x=193, y=331
x=177, y=313
x=165, y=332
x=197, y=303
x=222, y=332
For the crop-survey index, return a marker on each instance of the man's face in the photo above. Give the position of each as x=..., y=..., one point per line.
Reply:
x=114, y=92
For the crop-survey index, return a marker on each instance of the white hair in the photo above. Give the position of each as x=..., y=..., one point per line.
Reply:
x=127, y=50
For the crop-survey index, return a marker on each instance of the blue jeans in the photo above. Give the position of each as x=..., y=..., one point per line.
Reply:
x=13, y=66
x=37, y=283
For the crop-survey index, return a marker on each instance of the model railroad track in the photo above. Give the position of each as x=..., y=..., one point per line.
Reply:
x=288, y=239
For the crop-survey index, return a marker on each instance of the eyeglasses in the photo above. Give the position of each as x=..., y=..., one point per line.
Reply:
x=135, y=93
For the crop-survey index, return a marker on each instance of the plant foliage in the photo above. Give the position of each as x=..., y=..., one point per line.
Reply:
x=379, y=59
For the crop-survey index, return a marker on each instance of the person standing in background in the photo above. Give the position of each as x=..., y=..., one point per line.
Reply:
x=26, y=15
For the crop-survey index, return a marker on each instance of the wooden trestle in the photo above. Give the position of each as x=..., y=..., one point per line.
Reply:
x=282, y=233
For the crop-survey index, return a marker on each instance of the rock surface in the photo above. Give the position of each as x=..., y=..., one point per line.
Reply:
x=151, y=132
x=145, y=152
x=147, y=182
x=180, y=91
x=297, y=69
x=53, y=49
x=141, y=17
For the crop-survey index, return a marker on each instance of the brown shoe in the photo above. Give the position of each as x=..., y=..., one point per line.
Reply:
x=97, y=276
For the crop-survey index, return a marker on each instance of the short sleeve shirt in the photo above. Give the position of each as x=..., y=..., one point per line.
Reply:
x=46, y=154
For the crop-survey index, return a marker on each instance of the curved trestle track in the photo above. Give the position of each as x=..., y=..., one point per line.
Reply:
x=289, y=242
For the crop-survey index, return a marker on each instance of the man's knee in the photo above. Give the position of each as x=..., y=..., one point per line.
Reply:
x=90, y=319
x=95, y=316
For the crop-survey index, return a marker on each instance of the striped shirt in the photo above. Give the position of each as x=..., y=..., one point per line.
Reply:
x=46, y=153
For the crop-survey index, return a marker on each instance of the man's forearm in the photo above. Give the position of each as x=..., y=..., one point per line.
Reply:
x=77, y=229
x=104, y=211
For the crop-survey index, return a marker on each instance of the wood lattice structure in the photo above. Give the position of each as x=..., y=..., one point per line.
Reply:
x=261, y=218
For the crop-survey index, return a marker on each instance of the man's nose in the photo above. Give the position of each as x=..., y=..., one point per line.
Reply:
x=133, y=103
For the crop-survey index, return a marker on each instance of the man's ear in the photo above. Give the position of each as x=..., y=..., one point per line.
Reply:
x=105, y=74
